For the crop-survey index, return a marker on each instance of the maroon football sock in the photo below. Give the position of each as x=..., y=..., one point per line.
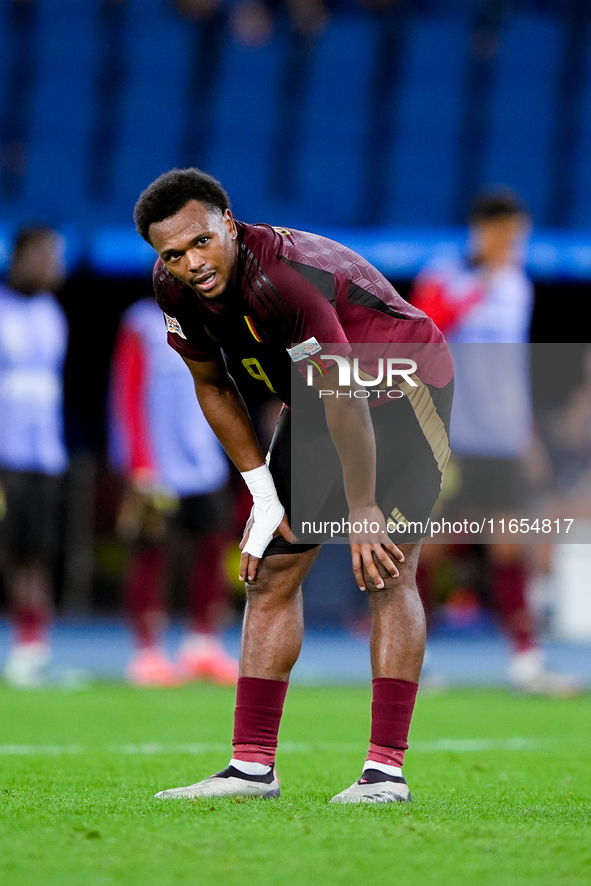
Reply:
x=259, y=705
x=31, y=622
x=142, y=590
x=208, y=585
x=31, y=606
x=509, y=586
x=391, y=712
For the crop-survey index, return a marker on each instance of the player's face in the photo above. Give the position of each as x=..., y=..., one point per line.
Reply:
x=40, y=267
x=499, y=240
x=199, y=246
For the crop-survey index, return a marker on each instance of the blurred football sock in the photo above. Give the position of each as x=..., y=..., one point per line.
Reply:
x=31, y=606
x=208, y=585
x=142, y=590
x=30, y=622
x=509, y=591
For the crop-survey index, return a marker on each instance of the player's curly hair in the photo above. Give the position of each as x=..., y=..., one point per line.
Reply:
x=171, y=191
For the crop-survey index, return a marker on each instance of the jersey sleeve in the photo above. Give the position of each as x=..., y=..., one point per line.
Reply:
x=129, y=405
x=190, y=339
x=428, y=295
x=185, y=331
x=433, y=294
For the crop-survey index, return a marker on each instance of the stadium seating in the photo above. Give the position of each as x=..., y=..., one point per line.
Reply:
x=330, y=162
x=581, y=214
x=521, y=137
x=323, y=131
x=424, y=158
x=242, y=126
x=153, y=99
x=61, y=112
x=5, y=56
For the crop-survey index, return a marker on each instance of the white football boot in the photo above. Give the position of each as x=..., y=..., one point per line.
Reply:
x=27, y=665
x=376, y=787
x=228, y=783
x=528, y=674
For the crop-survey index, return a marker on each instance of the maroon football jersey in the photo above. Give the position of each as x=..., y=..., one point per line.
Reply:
x=292, y=286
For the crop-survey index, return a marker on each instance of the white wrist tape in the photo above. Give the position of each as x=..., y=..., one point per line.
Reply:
x=268, y=510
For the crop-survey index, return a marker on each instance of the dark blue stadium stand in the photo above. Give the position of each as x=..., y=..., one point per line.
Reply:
x=61, y=113
x=365, y=132
x=5, y=56
x=334, y=141
x=153, y=109
x=424, y=158
x=242, y=136
x=581, y=214
x=523, y=107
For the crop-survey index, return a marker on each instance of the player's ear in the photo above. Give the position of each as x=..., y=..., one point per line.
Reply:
x=230, y=223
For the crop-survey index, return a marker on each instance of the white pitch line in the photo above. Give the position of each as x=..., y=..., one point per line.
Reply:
x=456, y=745
x=154, y=748
x=23, y=750
x=466, y=745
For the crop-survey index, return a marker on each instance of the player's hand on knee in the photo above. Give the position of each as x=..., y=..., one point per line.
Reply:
x=248, y=567
x=266, y=516
x=248, y=562
x=247, y=570
x=247, y=529
x=371, y=546
x=364, y=560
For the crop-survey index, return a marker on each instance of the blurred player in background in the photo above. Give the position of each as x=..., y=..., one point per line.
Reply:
x=565, y=427
x=176, y=507
x=257, y=292
x=487, y=298
x=33, y=342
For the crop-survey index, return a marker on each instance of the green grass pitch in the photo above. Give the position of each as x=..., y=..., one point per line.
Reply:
x=502, y=789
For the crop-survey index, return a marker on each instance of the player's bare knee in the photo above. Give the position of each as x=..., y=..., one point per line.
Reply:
x=278, y=578
x=393, y=588
x=265, y=593
x=389, y=588
x=391, y=584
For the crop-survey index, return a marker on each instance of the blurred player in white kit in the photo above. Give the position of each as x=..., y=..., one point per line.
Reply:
x=33, y=342
x=486, y=298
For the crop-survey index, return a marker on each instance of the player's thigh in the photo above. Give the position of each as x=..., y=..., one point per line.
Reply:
x=412, y=449
x=31, y=524
x=306, y=470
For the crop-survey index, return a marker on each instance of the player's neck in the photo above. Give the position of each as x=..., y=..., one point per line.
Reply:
x=22, y=285
x=495, y=259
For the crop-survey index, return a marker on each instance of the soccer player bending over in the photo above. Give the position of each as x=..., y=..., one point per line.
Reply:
x=238, y=299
